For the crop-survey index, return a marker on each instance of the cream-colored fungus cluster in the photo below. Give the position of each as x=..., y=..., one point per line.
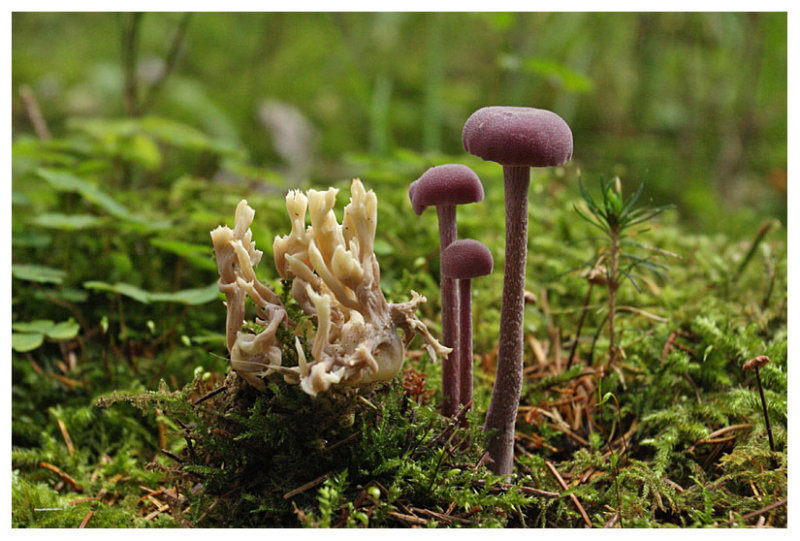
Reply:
x=335, y=279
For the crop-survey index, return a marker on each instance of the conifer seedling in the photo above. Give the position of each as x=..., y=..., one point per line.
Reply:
x=617, y=218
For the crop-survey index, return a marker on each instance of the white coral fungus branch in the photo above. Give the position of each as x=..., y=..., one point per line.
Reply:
x=335, y=279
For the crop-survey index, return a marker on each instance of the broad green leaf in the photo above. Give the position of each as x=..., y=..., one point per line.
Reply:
x=183, y=136
x=103, y=129
x=64, y=293
x=36, y=326
x=30, y=238
x=143, y=151
x=38, y=273
x=200, y=295
x=144, y=226
x=68, y=222
x=186, y=296
x=38, y=151
x=26, y=341
x=127, y=290
x=65, y=330
x=137, y=134
x=67, y=182
x=208, y=338
x=71, y=294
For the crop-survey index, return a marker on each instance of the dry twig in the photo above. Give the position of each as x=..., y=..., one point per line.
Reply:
x=64, y=477
x=86, y=519
x=303, y=488
x=612, y=522
x=34, y=112
x=761, y=511
x=408, y=519
x=574, y=498
x=67, y=440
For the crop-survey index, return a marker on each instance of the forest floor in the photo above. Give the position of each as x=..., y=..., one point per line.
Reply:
x=125, y=413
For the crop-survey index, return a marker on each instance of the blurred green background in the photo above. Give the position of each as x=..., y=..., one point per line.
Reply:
x=694, y=105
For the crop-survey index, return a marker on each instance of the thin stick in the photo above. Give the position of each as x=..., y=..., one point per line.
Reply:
x=613, y=285
x=674, y=485
x=64, y=477
x=303, y=488
x=172, y=59
x=668, y=345
x=64, y=434
x=339, y=443
x=725, y=430
x=564, y=486
x=541, y=493
x=130, y=49
x=766, y=415
x=34, y=112
x=210, y=394
x=760, y=234
x=86, y=519
x=580, y=326
x=770, y=286
x=162, y=430
x=409, y=519
x=446, y=517
x=172, y=455
x=761, y=511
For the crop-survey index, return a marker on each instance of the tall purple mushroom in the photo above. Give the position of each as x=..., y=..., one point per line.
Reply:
x=444, y=187
x=464, y=260
x=518, y=138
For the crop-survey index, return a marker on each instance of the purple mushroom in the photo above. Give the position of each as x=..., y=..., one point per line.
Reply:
x=444, y=187
x=518, y=138
x=464, y=260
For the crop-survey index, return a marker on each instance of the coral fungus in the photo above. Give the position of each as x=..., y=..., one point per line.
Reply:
x=335, y=279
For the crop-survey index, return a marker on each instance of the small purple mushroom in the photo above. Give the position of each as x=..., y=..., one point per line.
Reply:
x=444, y=187
x=464, y=260
x=518, y=138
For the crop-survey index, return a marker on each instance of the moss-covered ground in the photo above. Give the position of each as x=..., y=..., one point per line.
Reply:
x=125, y=414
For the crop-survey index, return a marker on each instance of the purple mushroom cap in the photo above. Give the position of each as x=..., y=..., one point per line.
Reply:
x=518, y=136
x=466, y=259
x=451, y=184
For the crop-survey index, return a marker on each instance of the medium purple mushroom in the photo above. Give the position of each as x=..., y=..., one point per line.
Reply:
x=518, y=138
x=444, y=187
x=464, y=260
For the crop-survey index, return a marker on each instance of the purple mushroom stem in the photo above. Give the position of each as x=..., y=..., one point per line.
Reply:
x=445, y=187
x=465, y=345
x=450, y=336
x=465, y=260
x=518, y=138
x=502, y=413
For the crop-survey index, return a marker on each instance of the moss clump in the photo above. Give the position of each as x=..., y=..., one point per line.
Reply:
x=354, y=458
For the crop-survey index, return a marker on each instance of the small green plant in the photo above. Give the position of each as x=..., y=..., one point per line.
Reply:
x=620, y=220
